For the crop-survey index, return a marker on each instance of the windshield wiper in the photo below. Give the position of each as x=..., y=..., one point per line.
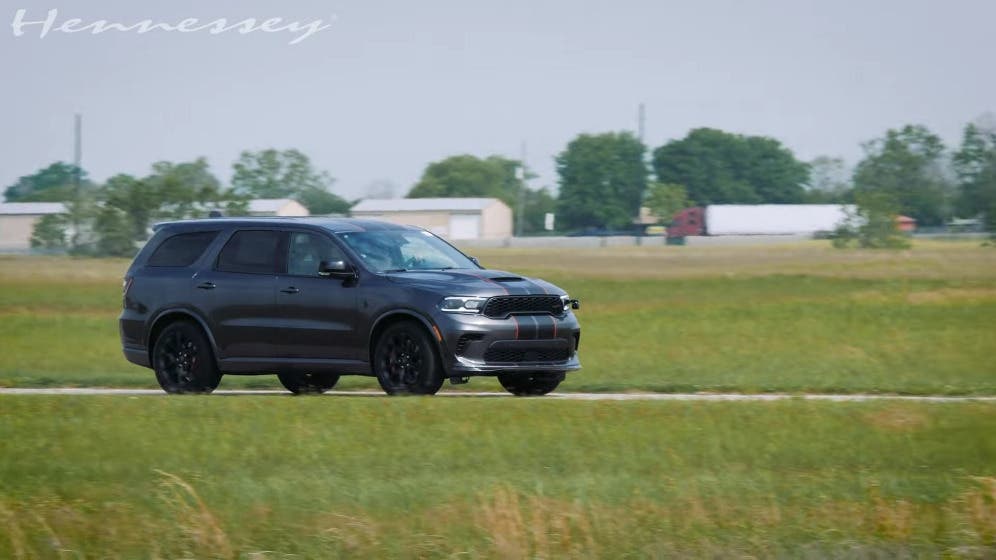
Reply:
x=396, y=270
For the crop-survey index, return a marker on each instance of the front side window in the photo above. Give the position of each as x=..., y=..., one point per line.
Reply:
x=182, y=250
x=306, y=251
x=400, y=250
x=251, y=251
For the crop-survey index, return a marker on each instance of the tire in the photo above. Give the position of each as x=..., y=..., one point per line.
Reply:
x=530, y=384
x=308, y=383
x=405, y=361
x=184, y=361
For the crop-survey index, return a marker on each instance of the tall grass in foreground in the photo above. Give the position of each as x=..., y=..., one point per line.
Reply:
x=275, y=477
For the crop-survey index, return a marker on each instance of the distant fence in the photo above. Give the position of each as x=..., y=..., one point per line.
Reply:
x=624, y=241
x=591, y=242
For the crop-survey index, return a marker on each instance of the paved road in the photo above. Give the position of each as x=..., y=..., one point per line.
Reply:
x=553, y=396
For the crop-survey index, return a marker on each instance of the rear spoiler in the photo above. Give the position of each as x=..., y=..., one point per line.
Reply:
x=160, y=225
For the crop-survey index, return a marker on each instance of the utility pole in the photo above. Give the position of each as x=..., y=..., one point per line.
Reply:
x=77, y=178
x=521, y=202
x=77, y=151
x=641, y=129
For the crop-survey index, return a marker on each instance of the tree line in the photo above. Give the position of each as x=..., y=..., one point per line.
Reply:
x=603, y=181
x=111, y=218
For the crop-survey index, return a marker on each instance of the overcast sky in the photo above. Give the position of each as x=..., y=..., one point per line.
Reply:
x=392, y=86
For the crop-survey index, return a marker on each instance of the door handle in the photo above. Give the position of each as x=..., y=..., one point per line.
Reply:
x=207, y=285
x=290, y=290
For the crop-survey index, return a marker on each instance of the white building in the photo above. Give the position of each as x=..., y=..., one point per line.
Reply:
x=17, y=222
x=277, y=207
x=453, y=218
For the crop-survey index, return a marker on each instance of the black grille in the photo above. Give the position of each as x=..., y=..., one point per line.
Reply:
x=499, y=307
x=526, y=355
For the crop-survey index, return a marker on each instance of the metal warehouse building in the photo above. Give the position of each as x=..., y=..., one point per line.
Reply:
x=277, y=207
x=17, y=222
x=453, y=218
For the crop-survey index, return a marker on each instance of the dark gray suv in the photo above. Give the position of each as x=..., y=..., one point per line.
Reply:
x=310, y=299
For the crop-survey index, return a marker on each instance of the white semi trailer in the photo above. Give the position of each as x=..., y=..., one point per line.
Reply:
x=759, y=219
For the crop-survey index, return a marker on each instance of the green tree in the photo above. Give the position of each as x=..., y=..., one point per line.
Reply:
x=872, y=225
x=665, y=199
x=975, y=166
x=49, y=233
x=286, y=174
x=907, y=165
x=602, y=181
x=114, y=237
x=55, y=183
x=718, y=167
x=469, y=176
x=491, y=177
x=172, y=191
x=536, y=205
x=114, y=218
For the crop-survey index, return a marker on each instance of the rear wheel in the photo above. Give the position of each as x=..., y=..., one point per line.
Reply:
x=183, y=360
x=405, y=361
x=305, y=383
x=530, y=384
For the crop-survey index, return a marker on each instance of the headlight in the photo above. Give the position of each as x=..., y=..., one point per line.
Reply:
x=570, y=303
x=458, y=304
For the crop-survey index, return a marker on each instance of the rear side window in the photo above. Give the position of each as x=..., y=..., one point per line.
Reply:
x=182, y=250
x=252, y=252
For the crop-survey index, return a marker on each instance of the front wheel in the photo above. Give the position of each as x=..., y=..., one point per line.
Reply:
x=530, y=384
x=183, y=360
x=405, y=362
x=305, y=383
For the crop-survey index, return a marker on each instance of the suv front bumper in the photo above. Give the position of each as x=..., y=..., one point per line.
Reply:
x=477, y=345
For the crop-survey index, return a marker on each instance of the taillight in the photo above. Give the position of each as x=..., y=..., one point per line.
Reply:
x=125, y=284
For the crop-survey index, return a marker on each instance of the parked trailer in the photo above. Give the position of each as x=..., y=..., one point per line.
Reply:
x=758, y=219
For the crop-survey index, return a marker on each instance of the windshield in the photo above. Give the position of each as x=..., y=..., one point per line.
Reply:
x=402, y=250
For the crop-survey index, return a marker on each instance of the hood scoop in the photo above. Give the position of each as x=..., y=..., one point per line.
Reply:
x=506, y=279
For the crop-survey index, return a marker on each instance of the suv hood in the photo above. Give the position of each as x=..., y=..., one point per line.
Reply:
x=468, y=282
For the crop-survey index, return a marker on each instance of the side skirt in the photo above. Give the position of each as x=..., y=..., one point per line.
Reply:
x=262, y=366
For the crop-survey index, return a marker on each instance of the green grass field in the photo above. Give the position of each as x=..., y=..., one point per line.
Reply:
x=801, y=317
x=373, y=477
x=266, y=477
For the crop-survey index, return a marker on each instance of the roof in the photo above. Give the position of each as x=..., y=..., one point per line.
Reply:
x=269, y=204
x=335, y=225
x=424, y=204
x=31, y=208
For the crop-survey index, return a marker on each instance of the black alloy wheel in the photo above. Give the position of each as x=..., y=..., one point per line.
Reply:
x=308, y=383
x=183, y=360
x=405, y=361
x=530, y=384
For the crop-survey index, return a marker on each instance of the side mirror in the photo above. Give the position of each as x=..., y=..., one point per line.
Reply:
x=336, y=269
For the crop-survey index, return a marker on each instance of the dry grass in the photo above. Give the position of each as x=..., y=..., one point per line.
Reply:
x=279, y=477
x=510, y=524
x=926, y=260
